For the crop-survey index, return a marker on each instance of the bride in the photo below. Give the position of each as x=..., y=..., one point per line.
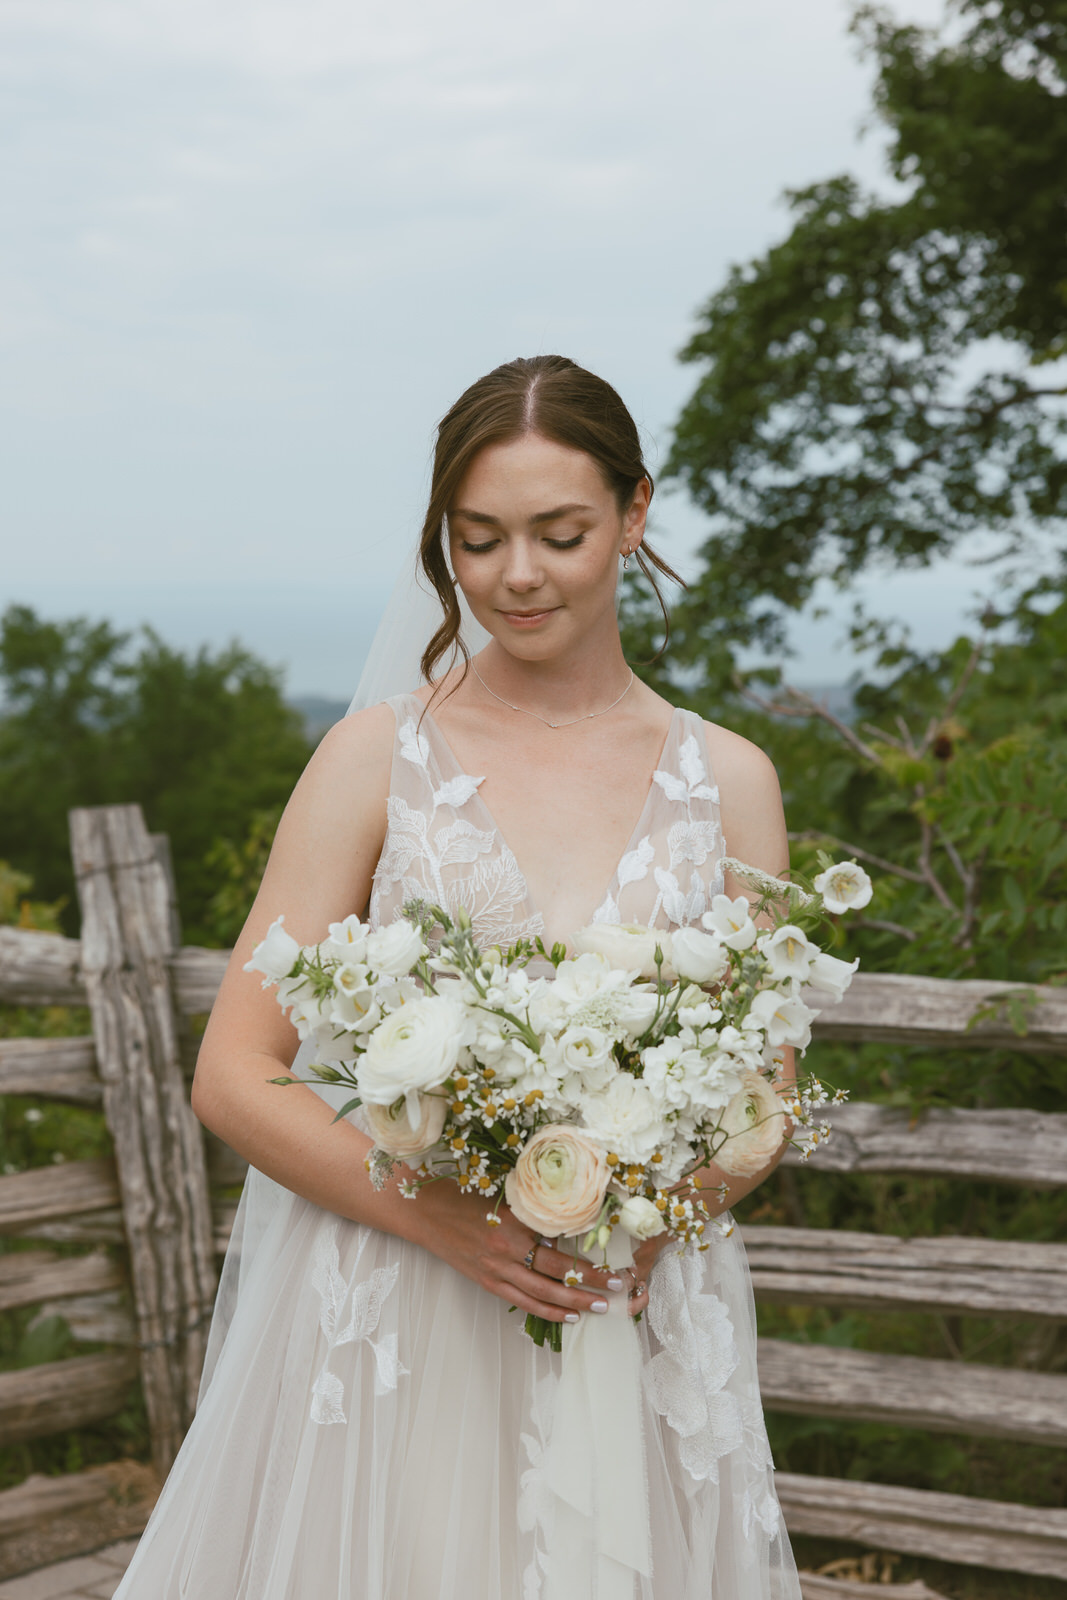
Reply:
x=373, y=1423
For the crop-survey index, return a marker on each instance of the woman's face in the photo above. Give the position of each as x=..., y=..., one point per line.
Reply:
x=535, y=536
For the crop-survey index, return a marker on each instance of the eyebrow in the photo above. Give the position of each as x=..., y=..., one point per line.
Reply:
x=536, y=520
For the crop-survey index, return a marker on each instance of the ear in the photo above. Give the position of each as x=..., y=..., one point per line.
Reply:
x=635, y=517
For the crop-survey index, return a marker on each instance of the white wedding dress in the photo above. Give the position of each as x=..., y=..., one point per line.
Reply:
x=373, y=1426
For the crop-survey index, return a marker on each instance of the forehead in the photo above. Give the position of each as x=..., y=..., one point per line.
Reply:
x=528, y=475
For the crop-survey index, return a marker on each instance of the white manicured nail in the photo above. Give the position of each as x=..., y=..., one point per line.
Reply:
x=599, y=1305
x=616, y=1284
x=571, y=1316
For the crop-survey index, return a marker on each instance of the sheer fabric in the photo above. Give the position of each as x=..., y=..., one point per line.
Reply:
x=372, y=1426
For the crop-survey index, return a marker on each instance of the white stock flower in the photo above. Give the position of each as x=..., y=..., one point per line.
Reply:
x=755, y=1123
x=557, y=1186
x=788, y=952
x=414, y=1048
x=699, y=956
x=782, y=1017
x=640, y=1218
x=275, y=956
x=625, y=1118
x=629, y=945
x=731, y=920
x=671, y=1070
x=393, y=1130
x=394, y=950
x=830, y=975
x=844, y=887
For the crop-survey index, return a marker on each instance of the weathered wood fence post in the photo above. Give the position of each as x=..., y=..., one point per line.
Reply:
x=127, y=945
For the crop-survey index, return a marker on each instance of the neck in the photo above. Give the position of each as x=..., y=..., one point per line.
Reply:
x=572, y=686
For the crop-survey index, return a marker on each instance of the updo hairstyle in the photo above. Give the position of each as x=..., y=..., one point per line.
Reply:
x=551, y=396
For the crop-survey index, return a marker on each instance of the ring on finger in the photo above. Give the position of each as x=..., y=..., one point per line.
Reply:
x=528, y=1258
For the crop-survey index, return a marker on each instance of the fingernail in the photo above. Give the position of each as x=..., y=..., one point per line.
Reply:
x=571, y=1316
x=599, y=1305
x=616, y=1284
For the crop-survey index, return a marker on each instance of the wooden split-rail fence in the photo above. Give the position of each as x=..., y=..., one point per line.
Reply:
x=151, y=1224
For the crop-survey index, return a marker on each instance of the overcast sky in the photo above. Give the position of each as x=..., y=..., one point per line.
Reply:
x=250, y=251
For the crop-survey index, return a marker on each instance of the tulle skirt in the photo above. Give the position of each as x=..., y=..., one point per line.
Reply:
x=373, y=1426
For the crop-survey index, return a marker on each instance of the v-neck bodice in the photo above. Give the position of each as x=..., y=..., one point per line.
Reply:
x=443, y=844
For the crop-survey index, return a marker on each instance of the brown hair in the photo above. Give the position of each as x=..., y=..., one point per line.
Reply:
x=561, y=401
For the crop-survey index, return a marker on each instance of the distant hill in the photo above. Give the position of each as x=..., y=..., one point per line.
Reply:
x=318, y=712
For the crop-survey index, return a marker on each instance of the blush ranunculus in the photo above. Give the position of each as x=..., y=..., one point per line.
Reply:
x=755, y=1121
x=558, y=1184
x=391, y=1126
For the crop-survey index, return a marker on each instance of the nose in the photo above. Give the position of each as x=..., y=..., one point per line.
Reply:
x=522, y=567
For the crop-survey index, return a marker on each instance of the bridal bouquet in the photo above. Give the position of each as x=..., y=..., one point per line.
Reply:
x=589, y=1095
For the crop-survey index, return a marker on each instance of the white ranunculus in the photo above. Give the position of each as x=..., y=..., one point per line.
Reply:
x=755, y=1123
x=732, y=921
x=640, y=1218
x=557, y=1186
x=782, y=1017
x=584, y=978
x=579, y=1049
x=346, y=941
x=629, y=945
x=275, y=956
x=392, y=951
x=414, y=1048
x=392, y=1127
x=703, y=957
x=788, y=952
x=830, y=975
x=626, y=1118
x=844, y=887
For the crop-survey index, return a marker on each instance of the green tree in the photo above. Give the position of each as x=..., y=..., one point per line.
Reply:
x=880, y=386
x=93, y=717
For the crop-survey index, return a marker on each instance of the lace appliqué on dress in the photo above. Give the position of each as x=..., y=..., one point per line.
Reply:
x=363, y=1298
x=694, y=1382
x=693, y=841
x=433, y=853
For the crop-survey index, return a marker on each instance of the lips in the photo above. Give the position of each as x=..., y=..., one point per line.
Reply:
x=528, y=616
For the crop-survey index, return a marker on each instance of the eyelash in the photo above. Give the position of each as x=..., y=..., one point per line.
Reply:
x=553, y=544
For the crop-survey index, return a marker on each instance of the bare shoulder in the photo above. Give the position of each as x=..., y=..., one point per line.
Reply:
x=750, y=802
x=347, y=777
x=737, y=762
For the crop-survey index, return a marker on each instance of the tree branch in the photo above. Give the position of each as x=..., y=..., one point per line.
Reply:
x=813, y=834
x=806, y=706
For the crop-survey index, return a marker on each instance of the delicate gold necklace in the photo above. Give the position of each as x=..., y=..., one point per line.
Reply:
x=586, y=717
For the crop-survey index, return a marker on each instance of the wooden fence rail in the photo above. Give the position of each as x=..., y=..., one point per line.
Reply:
x=158, y=1200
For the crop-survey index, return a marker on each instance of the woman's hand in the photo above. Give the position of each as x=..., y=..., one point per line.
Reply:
x=453, y=1227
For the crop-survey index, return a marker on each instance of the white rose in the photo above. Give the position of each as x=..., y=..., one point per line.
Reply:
x=629, y=945
x=731, y=920
x=640, y=1218
x=755, y=1125
x=394, y=950
x=557, y=1186
x=830, y=975
x=844, y=887
x=414, y=1048
x=783, y=1018
x=625, y=1118
x=699, y=956
x=788, y=951
x=393, y=1129
x=275, y=956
